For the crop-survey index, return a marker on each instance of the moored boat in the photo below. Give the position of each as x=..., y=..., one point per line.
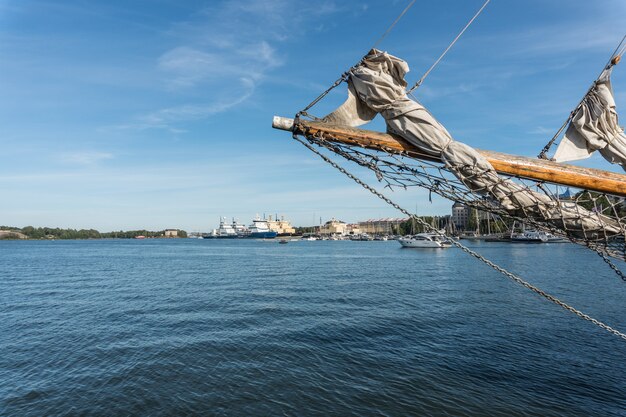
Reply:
x=259, y=229
x=425, y=240
x=534, y=236
x=529, y=236
x=224, y=231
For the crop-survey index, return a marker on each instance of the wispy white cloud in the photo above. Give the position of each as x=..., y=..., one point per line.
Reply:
x=167, y=118
x=555, y=38
x=85, y=157
x=227, y=50
x=190, y=66
x=540, y=130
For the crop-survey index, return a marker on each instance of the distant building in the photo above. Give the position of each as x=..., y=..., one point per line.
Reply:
x=334, y=227
x=171, y=233
x=386, y=226
x=460, y=216
x=353, y=229
x=464, y=216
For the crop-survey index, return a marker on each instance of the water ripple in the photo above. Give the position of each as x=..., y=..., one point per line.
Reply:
x=193, y=327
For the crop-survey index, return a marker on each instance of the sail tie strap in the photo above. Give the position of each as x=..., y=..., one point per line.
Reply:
x=464, y=248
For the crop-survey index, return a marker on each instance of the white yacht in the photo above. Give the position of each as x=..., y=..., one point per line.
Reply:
x=425, y=240
x=536, y=236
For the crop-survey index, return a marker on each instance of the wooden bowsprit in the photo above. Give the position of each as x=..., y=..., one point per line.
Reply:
x=516, y=166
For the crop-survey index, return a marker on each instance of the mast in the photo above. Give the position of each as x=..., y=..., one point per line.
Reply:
x=511, y=165
x=477, y=222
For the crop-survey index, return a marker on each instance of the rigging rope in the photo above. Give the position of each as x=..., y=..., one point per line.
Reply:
x=464, y=248
x=345, y=75
x=421, y=80
x=393, y=24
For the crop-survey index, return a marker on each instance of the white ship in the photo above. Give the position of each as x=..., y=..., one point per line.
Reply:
x=240, y=229
x=260, y=229
x=224, y=231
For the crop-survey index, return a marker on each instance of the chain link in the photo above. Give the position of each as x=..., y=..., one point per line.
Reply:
x=465, y=249
x=610, y=264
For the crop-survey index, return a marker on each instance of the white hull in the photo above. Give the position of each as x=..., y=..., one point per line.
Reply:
x=533, y=236
x=424, y=240
x=421, y=244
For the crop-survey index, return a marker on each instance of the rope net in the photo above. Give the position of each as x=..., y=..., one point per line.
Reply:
x=588, y=218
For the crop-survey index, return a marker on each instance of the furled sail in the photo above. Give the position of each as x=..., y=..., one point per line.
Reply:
x=378, y=83
x=594, y=127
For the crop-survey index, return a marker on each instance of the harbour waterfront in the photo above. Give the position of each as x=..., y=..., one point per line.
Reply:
x=247, y=327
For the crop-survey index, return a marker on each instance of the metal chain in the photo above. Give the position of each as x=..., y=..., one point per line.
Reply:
x=461, y=246
x=610, y=264
x=393, y=175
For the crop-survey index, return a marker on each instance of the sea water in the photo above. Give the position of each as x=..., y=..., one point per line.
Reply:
x=245, y=328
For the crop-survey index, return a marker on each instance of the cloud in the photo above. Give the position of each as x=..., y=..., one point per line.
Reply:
x=167, y=117
x=227, y=51
x=555, y=38
x=86, y=157
x=543, y=131
x=189, y=66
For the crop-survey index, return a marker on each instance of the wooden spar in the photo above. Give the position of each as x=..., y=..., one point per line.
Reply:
x=512, y=165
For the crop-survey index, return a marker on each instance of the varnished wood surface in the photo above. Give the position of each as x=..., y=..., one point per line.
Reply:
x=512, y=165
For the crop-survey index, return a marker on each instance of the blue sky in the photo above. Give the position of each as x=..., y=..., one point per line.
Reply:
x=157, y=114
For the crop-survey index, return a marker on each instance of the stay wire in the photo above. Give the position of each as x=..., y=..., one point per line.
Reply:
x=345, y=75
x=421, y=80
x=393, y=24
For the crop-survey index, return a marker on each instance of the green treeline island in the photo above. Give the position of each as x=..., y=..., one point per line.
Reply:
x=30, y=232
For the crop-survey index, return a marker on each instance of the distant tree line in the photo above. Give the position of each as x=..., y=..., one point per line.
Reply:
x=601, y=203
x=411, y=226
x=57, y=233
x=306, y=230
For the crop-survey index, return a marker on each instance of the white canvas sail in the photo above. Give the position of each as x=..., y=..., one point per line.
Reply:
x=377, y=85
x=594, y=127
